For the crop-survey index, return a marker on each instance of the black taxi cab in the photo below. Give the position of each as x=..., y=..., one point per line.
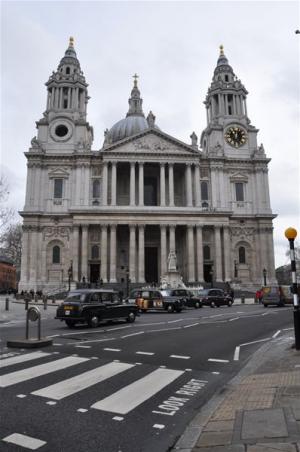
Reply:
x=149, y=299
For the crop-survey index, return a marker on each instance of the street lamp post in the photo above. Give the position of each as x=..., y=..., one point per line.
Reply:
x=128, y=281
x=235, y=269
x=291, y=234
x=265, y=276
x=212, y=276
x=70, y=274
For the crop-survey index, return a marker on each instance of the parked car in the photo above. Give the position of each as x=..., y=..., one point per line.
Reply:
x=277, y=296
x=132, y=296
x=215, y=298
x=159, y=299
x=189, y=297
x=94, y=306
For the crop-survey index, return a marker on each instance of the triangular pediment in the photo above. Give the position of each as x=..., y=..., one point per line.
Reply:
x=238, y=176
x=152, y=142
x=58, y=173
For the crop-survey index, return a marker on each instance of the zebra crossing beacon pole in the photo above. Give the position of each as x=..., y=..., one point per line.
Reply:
x=291, y=234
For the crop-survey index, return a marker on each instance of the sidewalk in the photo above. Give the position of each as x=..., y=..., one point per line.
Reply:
x=259, y=411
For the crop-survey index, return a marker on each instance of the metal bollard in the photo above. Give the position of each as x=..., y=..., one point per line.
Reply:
x=26, y=304
x=243, y=299
x=6, y=304
x=45, y=302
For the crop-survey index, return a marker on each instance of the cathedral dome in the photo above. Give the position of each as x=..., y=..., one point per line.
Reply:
x=134, y=122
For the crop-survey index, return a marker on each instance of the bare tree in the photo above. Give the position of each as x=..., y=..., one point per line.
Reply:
x=6, y=212
x=11, y=243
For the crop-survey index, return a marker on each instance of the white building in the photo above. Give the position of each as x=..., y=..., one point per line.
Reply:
x=124, y=207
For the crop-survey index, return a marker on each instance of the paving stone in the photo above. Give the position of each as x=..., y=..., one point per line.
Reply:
x=218, y=426
x=214, y=439
x=272, y=447
x=231, y=448
x=264, y=424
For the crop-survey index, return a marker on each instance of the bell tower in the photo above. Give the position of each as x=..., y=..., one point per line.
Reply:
x=64, y=127
x=228, y=130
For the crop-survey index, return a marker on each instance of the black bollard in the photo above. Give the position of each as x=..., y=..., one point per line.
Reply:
x=7, y=304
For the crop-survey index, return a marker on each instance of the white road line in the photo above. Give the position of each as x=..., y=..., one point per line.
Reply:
x=189, y=326
x=24, y=441
x=180, y=357
x=131, y=396
x=144, y=353
x=82, y=346
x=159, y=426
x=216, y=315
x=118, y=418
x=21, y=396
x=175, y=321
x=234, y=318
x=255, y=342
x=287, y=329
x=37, y=371
x=75, y=384
x=218, y=360
x=112, y=349
x=265, y=313
x=95, y=340
x=22, y=358
x=216, y=373
x=82, y=410
x=133, y=334
x=236, y=355
x=118, y=328
x=276, y=334
x=7, y=355
x=165, y=329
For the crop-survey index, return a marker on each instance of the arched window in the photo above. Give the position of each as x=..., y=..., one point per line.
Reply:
x=206, y=252
x=96, y=188
x=67, y=70
x=95, y=252
x=56, y=255
x=204, y=191
x=242, y=255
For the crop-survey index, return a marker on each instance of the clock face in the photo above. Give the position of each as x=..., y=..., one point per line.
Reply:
x=235, y=136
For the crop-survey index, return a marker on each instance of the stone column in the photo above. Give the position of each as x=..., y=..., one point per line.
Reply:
x=162, y=185
x=218, y=256
x=104, y=184
x=199, y=253
x=188, y=184
x=141, y=272
x=132, y=183
x=84, y=252
x=191, y=253
x=172, y=243
x=271, y=263
x=227, y=263
x=141, y=184
x=171, y=184
x=24, y=260
x=44, y=261
x=113, y=253
x=104, y=253
x=197, y=186
x=163, y=250
x=132, y=252
x=114, y=183
x=75, y=251
x=33, y=256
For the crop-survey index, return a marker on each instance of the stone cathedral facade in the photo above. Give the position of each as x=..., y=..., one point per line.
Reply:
x=118, y=212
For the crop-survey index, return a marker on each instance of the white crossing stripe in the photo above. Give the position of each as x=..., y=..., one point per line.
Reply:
x=133, y=395
x=180, y=356
x=24, y=441
x=75, y=384
x=36, y=371
x=218, y=360
x=22, y=358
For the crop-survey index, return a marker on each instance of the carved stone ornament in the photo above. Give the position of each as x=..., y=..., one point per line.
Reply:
x=238, y=231
x=56, y=231
x=35, y=143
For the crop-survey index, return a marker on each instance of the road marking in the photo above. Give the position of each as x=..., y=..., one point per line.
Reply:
x=95, y=340
x=255, y=342
x=51, y=402
x=118, y=418
x=37, y=371
x=218, y=360
x=265, y=313
x=236, y=355
x=144, y=353
x=175, y=321
x=24, y=441
x=112, y=349
x=131, y=396
x=159, y=426
x=180, y=357
x=189, y=326
x=21, y=396
x=82, y=410
x=22, y=358
x=119, y=328
x=75, y=384
x=216, y=373
x=276, y=334
x=7, y=355
x=82, y=346
x=165, y=329
x=216, y=315
x=133, y=334
x=234, y=318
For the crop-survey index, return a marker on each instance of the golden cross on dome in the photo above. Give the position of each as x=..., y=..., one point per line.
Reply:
x=71, y=41
x=221, y=50
x=135, y=76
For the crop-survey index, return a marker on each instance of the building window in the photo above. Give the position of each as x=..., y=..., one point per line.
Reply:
x=95, y=252
x=242, y=255
x=226, y=78
x=96, y=188
x=204, y=191
x=206, y=252
x=67, y=70
x=239, y=191
x=58, y=188
x=56, y=255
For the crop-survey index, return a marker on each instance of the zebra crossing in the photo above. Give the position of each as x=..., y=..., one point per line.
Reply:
x=122, y=401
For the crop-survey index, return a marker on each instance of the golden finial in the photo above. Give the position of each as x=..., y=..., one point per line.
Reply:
x=221, y=50
x=135, y=76
x=71, y=41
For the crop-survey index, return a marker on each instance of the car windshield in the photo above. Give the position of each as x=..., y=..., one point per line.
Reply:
x=203, y=293
x=166, y=293
x=75, y=297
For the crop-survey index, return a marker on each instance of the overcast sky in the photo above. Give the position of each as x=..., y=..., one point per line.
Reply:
x=173, y=47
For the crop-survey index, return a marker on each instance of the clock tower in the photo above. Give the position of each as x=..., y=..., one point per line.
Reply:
x=228, y=130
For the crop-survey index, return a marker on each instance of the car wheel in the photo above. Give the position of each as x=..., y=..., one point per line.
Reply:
x=197, y=305
x=70, y=323
x=170, y=308
x=131, y=317
x=93, y=321
x=212, y=304
x=229, y=304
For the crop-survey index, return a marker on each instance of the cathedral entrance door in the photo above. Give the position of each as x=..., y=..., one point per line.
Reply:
x=151, y=267
x=207, y=273
x=94, y=273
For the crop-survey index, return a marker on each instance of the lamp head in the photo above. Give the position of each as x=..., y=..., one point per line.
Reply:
x=290, y=233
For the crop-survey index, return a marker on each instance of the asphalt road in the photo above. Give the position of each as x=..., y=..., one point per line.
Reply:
x=121, y=387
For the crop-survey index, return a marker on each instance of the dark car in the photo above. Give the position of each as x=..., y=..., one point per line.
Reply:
x=159, y=299
x=189, y=297
x=94, y=306
x=277, y=296
x=215, y=298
